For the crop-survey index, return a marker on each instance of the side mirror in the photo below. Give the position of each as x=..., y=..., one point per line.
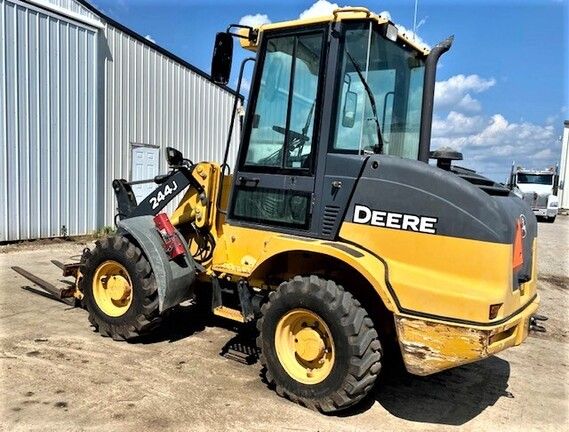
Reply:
x=174, y=157
x=222, y=58
x=349, y=109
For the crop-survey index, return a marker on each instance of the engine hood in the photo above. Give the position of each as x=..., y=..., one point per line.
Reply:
x=458, y=207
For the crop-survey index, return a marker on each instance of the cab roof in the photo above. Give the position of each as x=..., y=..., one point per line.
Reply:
x=340, y=14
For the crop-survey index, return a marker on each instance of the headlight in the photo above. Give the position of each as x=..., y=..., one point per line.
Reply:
x=391, y=32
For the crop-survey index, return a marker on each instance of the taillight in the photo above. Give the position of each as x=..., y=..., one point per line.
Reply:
x=518, y=258
x=494, y=309
x=172, y=243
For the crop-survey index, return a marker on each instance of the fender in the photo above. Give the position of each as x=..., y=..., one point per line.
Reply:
x=372, y=268
x=174, y=278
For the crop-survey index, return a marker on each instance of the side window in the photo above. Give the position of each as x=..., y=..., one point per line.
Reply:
x=276, y=206
x=282, y=129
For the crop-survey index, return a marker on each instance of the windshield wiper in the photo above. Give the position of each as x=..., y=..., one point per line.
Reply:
x=379, y=146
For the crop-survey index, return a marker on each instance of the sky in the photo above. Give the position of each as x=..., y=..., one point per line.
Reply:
x=502, y=91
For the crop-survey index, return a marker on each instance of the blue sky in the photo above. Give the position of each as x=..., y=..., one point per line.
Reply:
x=502, y=92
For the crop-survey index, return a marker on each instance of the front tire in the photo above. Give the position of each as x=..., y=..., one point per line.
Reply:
x=318, y=345
x=119, y=289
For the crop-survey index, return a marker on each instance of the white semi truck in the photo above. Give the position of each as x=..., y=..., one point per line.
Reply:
x=539, y=189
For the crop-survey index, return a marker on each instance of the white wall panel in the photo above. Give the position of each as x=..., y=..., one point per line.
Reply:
x=48, y=111
x=74, y=98
x=153, y=100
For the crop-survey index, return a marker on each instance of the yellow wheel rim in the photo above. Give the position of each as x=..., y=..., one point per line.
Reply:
x=112, y=288
x=304, y=346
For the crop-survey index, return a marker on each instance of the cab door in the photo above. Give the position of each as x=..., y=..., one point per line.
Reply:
x=275, y=177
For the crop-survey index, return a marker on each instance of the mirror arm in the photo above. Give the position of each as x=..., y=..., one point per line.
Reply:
x=253, y=34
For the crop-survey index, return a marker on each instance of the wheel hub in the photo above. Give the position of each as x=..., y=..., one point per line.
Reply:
x=118, y=287
x=309, y=345
x=112, y=288
x=304, y=346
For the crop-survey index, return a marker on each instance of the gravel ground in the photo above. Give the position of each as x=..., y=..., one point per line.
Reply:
x=56, y=374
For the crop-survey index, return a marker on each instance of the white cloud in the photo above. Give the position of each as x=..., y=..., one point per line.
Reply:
x=411, y=35
x=456, y=92
x=255, y=20
x=319, y=8
x=148, y=37
x=463, y=131
x=456, y=124
x=544, y=154
x=489, y=143
x=324, y=7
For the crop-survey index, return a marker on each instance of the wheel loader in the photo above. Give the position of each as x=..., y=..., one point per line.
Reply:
x=333, y=233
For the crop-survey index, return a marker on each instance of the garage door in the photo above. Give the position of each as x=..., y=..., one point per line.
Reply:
x=47, y=124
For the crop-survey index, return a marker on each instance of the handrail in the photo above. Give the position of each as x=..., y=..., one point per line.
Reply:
x=335, y=12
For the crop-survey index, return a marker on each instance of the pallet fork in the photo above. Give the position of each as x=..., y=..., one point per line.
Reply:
x=69, y=295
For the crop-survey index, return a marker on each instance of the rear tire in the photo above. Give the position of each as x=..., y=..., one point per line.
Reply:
x=355, y=347
x=138, y=312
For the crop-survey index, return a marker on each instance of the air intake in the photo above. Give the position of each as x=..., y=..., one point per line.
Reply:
x=329, y=219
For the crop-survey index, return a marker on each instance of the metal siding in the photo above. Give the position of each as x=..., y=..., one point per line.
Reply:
x=62, y=145
x=153, y=100
x=48, y=77
x=75, y=7
x=564, y=169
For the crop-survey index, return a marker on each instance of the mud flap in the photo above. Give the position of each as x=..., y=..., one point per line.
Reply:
x=174, y=278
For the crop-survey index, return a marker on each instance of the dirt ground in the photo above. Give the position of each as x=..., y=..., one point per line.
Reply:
x=57, y=374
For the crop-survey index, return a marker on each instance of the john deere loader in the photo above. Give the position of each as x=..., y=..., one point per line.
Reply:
x=333, y=232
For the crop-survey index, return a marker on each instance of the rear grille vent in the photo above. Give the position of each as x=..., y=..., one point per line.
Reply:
x=329, y=219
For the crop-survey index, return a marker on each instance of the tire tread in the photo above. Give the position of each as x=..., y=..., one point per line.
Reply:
x=365, y=362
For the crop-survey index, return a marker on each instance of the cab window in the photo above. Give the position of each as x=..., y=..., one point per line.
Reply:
x=283, y=123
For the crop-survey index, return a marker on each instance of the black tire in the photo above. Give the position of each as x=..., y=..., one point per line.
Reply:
x=551, y=219
x=143, y=313
x=358, y=350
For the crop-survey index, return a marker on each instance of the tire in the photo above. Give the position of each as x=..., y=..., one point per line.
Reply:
x=551, y=219
x=142, y=313
x=356, y=347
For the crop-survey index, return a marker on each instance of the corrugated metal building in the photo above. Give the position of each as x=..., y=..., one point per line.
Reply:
x=84, y=100
x=564, y=169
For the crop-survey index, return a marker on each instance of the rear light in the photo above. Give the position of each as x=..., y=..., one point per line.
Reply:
x=173, y=246
x=518, y=258
x=494, y=309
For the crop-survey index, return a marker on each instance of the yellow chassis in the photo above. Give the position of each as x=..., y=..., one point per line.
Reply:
x=437, y=289
x=430, y=346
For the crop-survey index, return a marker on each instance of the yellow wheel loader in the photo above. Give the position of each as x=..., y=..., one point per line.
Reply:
x=334, y=233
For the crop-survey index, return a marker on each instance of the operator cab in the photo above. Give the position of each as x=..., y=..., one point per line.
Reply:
x=325, y=95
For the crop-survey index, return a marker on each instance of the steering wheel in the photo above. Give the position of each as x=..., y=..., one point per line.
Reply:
x=295, y=137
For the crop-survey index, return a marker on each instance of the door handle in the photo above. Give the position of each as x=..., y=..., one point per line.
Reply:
x=245, y=180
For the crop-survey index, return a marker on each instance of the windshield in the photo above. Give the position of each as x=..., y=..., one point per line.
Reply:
x=540, y=179
x=395, y=77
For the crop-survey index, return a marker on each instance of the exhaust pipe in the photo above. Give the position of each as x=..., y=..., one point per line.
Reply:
x=429, y=95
